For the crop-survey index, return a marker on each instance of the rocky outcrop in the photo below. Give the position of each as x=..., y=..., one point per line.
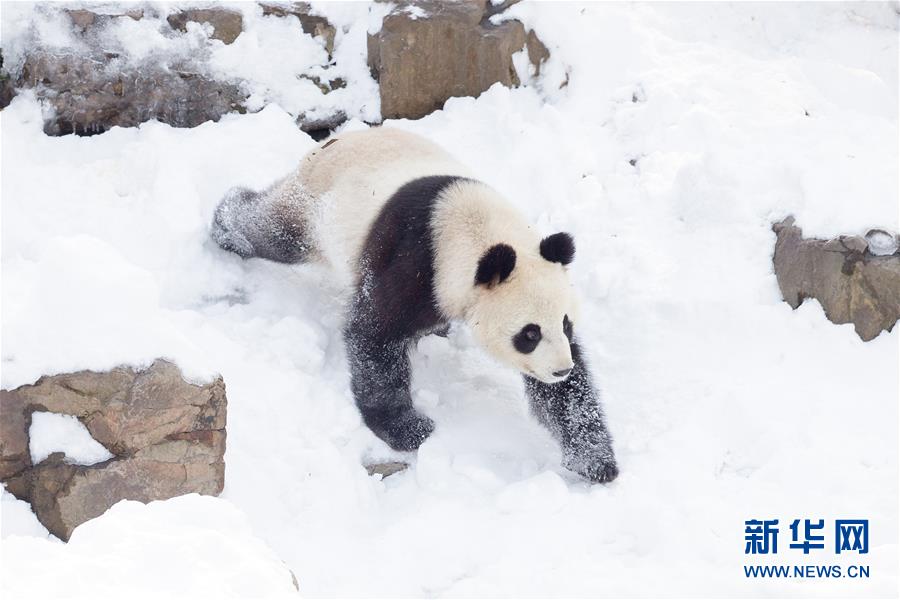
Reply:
x=167, y=435
x=425, y=52
x=853, y=282
x=429, y=51
x=88, y=94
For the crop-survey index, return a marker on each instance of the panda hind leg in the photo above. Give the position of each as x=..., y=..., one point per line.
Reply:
x=252, y=224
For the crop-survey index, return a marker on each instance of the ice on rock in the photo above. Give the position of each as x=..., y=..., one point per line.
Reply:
x=881, y=243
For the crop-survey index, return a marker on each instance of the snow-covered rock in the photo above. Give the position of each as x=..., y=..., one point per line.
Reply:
x=86, y=95
x=852, y=285
x=314, y=24
x=100, y=67
x=429, y=51
x=153, y=434
x=227, y=24
x=185, y=65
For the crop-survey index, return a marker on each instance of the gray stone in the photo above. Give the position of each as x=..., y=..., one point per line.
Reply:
x=851, y=284
x=315, y=121
x=14, y=424
x=91, y=94
x=167, y=435
x=82, y=19
x=453, y=50
x=227, y=24
x=386, y=469
x=85, y=20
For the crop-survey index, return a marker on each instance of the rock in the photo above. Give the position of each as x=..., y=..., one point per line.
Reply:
x=314, y=25
x=227, y=24
x=91, y=93
x=84, y=20
x=316, y=123
x=538, y=53
x=167, y=435
x=386, y=469
x=7, y=91
x=88, y=97
x=852, y=284
x=14, y=455
x=320, y=122
x=325, y=85
x=429, y=51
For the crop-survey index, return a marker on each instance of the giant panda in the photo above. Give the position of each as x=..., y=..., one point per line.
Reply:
x=424, y=243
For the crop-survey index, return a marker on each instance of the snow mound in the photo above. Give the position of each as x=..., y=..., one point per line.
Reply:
x=188, y=547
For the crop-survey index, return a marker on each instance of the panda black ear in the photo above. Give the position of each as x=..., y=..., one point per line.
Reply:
x=559, y=247
x=495, y=265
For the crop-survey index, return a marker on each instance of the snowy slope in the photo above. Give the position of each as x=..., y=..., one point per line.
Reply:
x=726, y=405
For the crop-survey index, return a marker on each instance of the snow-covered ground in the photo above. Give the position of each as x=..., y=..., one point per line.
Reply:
x=726, y=405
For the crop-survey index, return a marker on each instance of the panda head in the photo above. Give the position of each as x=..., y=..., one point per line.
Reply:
x=525, y=309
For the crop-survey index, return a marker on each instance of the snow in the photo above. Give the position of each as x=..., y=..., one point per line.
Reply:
x=188, y=547
x=415, y=12
x=16, y=518
x=277, y=59
x=725, y=404
x=51, y=432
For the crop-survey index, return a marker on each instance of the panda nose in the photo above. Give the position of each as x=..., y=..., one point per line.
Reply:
x=562, y=373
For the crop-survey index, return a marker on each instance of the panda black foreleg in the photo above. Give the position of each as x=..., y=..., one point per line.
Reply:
x=571, y=411
x=379, y=378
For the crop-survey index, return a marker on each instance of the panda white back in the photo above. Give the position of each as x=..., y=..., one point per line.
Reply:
x=352, y=175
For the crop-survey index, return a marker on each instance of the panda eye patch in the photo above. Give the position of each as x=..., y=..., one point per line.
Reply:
x=567, y=327
x=527, y=339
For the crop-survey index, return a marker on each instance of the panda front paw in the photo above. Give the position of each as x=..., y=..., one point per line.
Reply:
x=599, y=465
x=406, y=432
